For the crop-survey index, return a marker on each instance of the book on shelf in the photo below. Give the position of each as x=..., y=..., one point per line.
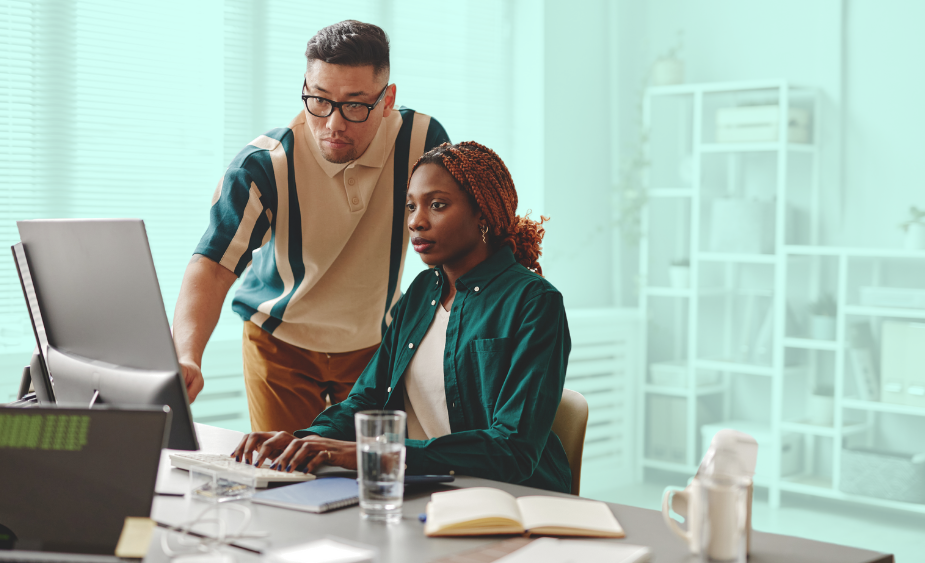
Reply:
x=862, y=356
x=480, y=511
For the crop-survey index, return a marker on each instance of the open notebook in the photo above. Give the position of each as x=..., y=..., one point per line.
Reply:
x=485, y=511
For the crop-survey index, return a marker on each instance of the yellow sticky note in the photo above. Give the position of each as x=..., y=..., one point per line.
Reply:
x=135, y=537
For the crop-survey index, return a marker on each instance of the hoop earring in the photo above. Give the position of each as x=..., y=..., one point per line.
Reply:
x=484, y=229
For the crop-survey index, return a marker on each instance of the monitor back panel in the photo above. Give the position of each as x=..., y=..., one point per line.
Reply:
x=69, y=477
x=41, y=381
x=96, y=284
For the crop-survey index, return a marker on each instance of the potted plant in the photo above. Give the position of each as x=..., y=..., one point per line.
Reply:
x=630, y=187
x=668, y=69
x=822, y=318
x=680, y=273
x=915, y=229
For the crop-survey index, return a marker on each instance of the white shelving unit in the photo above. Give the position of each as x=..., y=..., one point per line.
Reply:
x=676, y=218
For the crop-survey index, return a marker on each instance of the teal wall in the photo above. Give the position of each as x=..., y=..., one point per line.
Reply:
x=577, y=153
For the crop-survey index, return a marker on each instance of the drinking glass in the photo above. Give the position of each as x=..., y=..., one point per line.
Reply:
x=381, y=463
x=723, y=517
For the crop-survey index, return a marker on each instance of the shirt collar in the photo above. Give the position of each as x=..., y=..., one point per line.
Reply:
x=484, y=273
x=376, y=154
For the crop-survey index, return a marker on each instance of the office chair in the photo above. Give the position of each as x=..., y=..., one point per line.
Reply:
x=570, y=425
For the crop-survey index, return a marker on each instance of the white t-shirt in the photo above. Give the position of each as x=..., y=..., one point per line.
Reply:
x=425, y=394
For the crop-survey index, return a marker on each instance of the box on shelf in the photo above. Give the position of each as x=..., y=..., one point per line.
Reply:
x=791, y=456
x=757, y=124
x=675, y=373
x=873, y=296
x=883, y=474
x=666, y=426
x=902, y=355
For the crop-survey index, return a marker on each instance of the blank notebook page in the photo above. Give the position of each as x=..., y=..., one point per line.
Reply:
x=543, y=512
x=476, y=503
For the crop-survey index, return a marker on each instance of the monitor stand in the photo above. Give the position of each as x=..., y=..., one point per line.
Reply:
x=25, y=384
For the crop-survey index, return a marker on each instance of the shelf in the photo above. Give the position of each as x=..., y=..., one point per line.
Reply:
x=755, y=147
x=668, y=292
x=706, y=292
x=748, y=369
x=819, y=430
x=878, y=406
x=807, y=484
x=854, y=252
x=818, y=486
x=716, y=87
x=811, y=344
x=700, y=390
x=669, y=466
x=671, y=192
x=859, y=310
x=745, y=258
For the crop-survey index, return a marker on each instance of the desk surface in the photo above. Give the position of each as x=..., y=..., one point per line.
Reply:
x=405, y=542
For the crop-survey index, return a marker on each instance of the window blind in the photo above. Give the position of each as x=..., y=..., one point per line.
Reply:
x=18, y=158
x=114, y=109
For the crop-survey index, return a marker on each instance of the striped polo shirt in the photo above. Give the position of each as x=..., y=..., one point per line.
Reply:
x=321, y=245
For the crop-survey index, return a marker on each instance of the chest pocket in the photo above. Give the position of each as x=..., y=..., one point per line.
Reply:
x=489, y=363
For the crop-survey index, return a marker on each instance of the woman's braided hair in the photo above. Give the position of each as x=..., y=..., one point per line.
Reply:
x=482, y=175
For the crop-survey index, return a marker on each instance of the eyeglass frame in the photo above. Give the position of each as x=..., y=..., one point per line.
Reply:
x=338, y=105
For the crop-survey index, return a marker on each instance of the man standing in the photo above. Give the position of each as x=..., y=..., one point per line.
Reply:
x=318, y=211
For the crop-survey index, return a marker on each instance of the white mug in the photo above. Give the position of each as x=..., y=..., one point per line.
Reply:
x=717, y=510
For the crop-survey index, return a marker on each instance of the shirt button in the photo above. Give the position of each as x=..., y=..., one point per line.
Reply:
x=411, y=345
x=452, y=472
x=351, y=181
x=355, y=200
x=476, y=288
x=454, y=405
x=434, y=302
x=389, y=390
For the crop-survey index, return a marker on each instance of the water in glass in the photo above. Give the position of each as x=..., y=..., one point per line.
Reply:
x=381, y=463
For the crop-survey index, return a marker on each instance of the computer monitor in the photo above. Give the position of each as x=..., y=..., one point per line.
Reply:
x=97, y=291
x=38, y=370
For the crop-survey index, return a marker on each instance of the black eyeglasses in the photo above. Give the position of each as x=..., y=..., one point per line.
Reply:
x=356, y=112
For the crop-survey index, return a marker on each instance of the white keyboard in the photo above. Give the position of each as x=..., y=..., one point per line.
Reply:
x=264, y=474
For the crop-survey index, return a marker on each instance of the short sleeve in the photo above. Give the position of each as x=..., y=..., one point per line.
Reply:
x=238, y=221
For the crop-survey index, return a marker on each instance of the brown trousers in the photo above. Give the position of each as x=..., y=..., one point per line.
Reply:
x=287, y=385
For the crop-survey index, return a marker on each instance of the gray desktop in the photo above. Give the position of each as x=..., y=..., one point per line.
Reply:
x=94, y=291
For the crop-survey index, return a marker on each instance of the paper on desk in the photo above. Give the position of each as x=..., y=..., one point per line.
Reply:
x=322, y=551
x=551, y=550
x=135, y=537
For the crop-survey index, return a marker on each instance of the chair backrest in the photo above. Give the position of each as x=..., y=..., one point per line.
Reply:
x=570, y=425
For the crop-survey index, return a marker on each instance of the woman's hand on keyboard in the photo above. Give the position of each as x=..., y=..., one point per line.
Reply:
x=306, y=454
x=295, y=454
x=259, y=446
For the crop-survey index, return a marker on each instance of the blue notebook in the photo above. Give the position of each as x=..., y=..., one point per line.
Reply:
x=320, y=495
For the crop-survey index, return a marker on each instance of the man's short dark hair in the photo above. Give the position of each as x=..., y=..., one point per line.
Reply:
x=350, y=43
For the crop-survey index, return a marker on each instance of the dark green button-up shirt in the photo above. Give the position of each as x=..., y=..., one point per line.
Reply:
x=507, y=345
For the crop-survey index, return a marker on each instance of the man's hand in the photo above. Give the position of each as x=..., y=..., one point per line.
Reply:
x=295, y=454
x=199, y=306
x=192, y=376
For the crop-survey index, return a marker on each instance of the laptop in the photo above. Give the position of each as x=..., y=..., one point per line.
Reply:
x=70, y=477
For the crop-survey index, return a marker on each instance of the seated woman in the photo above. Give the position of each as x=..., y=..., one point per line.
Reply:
x=477, y=348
